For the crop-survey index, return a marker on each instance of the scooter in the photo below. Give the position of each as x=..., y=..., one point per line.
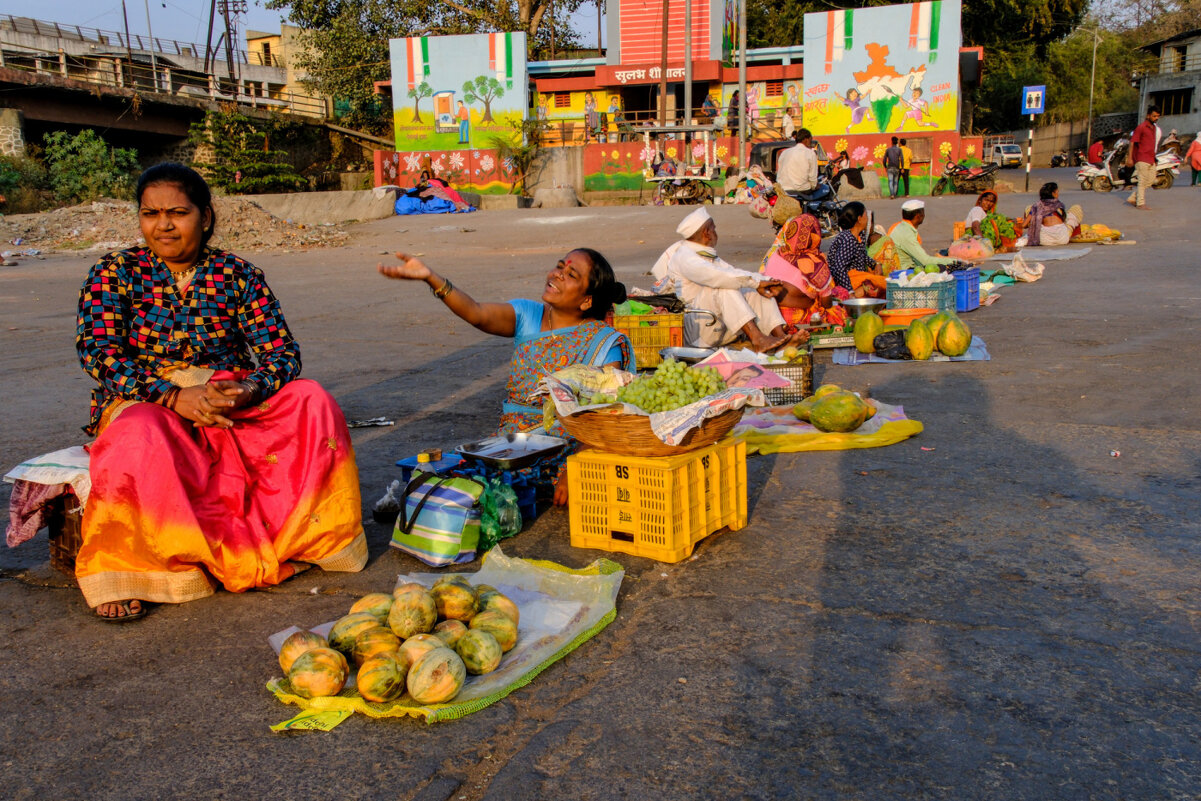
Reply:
x=960, y=178
x=1113, y=175
x=1059, y=160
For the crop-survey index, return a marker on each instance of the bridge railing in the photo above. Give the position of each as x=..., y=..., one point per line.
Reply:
x=82, y=33
x=145, y=77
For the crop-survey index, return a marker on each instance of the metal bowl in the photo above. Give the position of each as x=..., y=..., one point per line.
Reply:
x=687, y=355
x=857, y=306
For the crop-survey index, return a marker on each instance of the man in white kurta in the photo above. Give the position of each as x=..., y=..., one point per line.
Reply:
x=743, y=302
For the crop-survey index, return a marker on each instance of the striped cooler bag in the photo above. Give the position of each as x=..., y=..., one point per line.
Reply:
x=439, y=521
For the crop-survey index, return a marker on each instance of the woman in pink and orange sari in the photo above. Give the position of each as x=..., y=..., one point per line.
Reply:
x=795, y=258
x=214, y=463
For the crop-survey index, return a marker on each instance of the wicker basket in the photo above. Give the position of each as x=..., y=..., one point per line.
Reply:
x=631, y=434
x=64, y=516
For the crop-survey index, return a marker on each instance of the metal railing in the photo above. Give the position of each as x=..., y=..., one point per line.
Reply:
x=1175, y=63
x=82, y=33
x=628, y=128
x=118, y=72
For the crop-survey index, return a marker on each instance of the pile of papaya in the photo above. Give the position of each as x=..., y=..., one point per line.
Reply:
x=834, y=410
x=942, y=331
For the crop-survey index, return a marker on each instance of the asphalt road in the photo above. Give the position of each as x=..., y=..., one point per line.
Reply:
x=995, y=609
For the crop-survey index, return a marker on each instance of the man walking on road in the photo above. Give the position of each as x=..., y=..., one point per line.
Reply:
x=892, y=164
x=906, y=163
x=1142, y=157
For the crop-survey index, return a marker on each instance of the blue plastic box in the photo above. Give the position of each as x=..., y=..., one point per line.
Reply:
x=967, y=289
x=442, y=467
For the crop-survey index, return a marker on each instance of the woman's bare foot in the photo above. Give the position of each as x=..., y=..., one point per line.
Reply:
x=120, y=611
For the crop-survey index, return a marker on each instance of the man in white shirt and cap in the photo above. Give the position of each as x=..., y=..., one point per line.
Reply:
x=743, y=302
x=904, y=235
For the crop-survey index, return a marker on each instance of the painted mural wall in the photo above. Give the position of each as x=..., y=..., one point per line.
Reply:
x=891, y=69
x=481, y=171
x=457, y=92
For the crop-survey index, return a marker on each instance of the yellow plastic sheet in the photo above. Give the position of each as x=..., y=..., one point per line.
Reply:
x=561, y=608
x=776, y=430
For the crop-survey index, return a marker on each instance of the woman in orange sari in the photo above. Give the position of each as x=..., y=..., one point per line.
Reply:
x=795, y=258
x=213, y=463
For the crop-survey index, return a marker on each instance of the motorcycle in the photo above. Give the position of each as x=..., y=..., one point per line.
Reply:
x=962, y=179
x=1113, y=174
x=822, y=202
x=1059, y=160
x=1079, y=158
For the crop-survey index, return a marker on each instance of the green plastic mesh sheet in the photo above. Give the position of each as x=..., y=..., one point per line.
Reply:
x=561, y=609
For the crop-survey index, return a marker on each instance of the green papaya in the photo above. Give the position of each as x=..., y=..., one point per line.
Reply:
x=867, y=327
x=955, y=338
x=826, y=389
x=936, y=322
x=838, y=412
x=919, y=341
x=802, y=409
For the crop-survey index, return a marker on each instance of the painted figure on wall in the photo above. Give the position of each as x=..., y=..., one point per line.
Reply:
x=854, y=101
x=543, y=107
x=591, y=116
x=917, y=110
x=464, y=117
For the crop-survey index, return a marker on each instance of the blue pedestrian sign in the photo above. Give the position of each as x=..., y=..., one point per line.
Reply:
x=1034, y=99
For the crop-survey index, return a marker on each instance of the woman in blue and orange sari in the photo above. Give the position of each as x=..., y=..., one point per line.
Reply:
x=795, y=259
x=566, y=327
x=214, y=463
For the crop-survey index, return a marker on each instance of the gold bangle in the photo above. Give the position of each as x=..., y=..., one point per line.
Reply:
x=445, y=290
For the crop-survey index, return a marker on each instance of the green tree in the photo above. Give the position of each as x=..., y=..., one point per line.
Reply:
x=484, y=89
x=417, y=92
x=243, y=162
x=83, y=167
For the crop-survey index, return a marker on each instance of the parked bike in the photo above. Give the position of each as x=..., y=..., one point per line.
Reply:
x=823, y=202
x=959, y=178
x=1113, y=174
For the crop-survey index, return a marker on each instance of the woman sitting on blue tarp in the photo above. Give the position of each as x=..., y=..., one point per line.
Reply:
x=566, y=327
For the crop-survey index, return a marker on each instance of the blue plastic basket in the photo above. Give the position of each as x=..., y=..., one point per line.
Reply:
x=967, y=289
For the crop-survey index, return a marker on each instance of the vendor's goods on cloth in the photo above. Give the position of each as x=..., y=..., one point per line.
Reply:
x=534, y=612
x=976, y=352
x=777, y=429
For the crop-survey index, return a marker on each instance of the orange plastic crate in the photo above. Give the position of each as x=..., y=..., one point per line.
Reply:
x=656, y=507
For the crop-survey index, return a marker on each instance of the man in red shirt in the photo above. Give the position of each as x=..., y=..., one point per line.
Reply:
x=1142, y=156
x=1094, y=153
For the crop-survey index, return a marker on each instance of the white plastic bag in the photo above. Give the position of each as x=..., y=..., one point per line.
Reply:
x=1021, y=270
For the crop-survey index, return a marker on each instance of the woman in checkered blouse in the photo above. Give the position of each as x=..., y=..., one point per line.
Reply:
x=214, y=463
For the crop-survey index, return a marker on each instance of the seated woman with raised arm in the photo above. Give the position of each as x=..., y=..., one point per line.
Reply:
x=214, y=463
x=566, y=327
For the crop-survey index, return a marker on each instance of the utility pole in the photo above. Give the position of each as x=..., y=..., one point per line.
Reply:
x=208, y=40
x=688, y=63
x=153, y=58
x=663, y=72
x=742, y=132
x=1092, y=81
x=231, y=7
x=128, y=47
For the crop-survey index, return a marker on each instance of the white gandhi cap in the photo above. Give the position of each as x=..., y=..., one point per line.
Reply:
x=693, y=222
x=912, y=205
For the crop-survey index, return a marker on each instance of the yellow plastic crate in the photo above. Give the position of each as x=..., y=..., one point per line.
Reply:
x=649, y=334
x=659, y=507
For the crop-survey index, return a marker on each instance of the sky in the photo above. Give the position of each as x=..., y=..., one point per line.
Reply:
x=185, y=20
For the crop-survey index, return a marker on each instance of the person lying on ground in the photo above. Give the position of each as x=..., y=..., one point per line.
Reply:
x=743, y=303
x=214, y=463
x=565, y=327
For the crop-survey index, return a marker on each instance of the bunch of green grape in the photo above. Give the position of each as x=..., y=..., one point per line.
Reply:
x=672, y=385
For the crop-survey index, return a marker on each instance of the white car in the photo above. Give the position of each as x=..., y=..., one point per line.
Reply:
x=1006, y=155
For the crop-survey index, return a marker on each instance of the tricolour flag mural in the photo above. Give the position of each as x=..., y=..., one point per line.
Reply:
x=457, y=92
x=889, y=69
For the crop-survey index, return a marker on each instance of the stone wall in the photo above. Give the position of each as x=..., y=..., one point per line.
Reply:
x=12, y=132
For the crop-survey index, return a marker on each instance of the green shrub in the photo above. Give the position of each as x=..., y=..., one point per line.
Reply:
x=83, y=167
x=242, y=161
x=22, y=183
